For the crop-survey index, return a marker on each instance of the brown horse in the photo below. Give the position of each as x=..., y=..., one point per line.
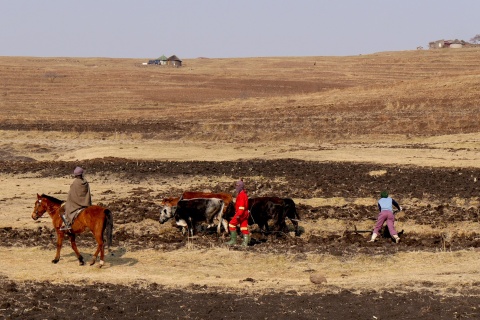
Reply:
x=97, y=219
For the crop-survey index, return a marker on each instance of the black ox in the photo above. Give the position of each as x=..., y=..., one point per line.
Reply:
x=263, y=209
x=189, y=212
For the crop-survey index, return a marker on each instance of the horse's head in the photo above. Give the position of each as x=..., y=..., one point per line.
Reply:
x=44, y=204
x=40, y=207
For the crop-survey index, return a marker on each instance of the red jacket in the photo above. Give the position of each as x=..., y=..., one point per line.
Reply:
x=241, y=204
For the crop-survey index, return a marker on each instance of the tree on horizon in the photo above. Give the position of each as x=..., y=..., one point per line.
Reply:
x=475, y=39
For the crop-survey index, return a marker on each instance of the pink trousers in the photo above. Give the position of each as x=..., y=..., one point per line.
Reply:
x=390, y=218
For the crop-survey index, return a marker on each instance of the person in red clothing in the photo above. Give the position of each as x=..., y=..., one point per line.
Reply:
x=241, y=216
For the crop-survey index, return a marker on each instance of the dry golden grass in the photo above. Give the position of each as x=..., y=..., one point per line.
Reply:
x=402, y=272
x=414, y=93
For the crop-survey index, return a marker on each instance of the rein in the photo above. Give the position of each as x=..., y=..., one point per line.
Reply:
x=39, y=202
x=249, y=213
x=48, y=208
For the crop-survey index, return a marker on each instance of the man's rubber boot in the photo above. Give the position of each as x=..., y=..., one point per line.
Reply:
x=66, y=225
x=233, y=238
x=246, y=240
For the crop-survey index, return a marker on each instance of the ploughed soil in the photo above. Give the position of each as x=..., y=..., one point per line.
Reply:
x=298, y=179
x=44, y=300
x=435, y=186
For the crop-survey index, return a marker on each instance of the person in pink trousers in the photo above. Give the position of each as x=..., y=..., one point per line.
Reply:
x=385, y=205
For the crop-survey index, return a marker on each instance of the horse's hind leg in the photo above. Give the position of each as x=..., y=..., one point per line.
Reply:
x=100, y=249
x=95, y=255
x=77, y=253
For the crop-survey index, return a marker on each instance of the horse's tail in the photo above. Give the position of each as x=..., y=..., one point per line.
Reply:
x=108, y=227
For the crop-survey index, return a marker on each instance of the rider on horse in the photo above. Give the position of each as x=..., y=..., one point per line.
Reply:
x=78, y=197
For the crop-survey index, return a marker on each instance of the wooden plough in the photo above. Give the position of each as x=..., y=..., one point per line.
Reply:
x=356, y=231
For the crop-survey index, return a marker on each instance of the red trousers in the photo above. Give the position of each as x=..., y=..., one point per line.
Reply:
x=239, y=219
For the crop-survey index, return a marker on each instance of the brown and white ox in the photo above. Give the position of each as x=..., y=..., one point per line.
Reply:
x=188, y=212
x=169, y=204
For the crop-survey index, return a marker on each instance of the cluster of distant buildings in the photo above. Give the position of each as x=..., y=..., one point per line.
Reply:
x=440, y=44
x=173, y=61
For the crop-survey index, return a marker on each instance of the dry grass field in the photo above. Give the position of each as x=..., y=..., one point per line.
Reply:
x=329, y=132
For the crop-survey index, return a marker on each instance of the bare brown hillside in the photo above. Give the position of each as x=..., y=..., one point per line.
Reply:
x=307, y=99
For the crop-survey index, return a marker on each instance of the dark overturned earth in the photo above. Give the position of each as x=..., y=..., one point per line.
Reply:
x=412, y=187
x=426, y=194
x=303, y=179
x=44, y=300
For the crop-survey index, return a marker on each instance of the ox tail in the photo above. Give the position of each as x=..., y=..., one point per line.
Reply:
x=220, y=218
x=230, y=211
x=297, y=215
x=293, y=215
x=292, y=212
x=108, y=227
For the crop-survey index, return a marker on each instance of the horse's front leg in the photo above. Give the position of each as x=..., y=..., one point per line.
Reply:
x=60, y=236
x=74, y=247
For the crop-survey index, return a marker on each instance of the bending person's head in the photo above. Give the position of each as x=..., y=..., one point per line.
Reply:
x=239, y=186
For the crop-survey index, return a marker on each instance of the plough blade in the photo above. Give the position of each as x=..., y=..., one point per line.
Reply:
x=358, y=231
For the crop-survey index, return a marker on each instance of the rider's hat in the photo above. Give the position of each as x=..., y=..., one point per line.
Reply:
x=78, y=171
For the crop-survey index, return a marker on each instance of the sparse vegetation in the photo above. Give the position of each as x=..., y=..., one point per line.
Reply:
x=475, y=39
x=51, y=76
